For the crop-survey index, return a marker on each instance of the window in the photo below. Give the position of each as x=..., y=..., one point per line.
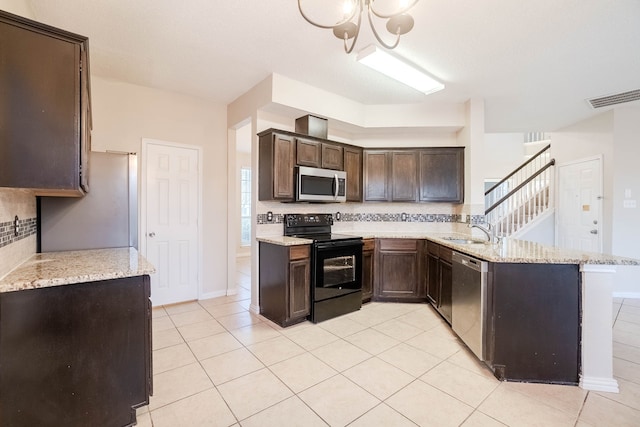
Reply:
x=245, y=206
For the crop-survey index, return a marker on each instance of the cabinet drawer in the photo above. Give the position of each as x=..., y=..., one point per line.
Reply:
x=298, y=252
x=368, y=244
x=433, y=249
x=445, y=254
x=399, y=245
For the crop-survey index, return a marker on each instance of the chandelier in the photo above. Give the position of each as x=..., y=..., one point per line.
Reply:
x=348, y=28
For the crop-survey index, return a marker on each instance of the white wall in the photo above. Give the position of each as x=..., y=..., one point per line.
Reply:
x=626, y=177
x=614, y=135
x=123, y=114
x=585, y=139
x=503, y=153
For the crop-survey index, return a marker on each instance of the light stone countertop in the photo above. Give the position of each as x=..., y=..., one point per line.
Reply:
x=509, y=250
x=284, y=240
x=65, y=268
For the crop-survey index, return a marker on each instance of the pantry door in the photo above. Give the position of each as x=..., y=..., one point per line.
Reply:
x=579, y=212
x=170, y=219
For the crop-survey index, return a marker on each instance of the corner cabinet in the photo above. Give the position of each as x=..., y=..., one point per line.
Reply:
x=285, y=280
x=45, y=126
x=276, y=167
x=76, y=355
x=398, y=267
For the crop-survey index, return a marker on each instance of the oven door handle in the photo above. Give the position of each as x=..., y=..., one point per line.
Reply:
x=338, y=244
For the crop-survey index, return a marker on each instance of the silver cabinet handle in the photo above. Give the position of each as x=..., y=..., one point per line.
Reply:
x=152, y=234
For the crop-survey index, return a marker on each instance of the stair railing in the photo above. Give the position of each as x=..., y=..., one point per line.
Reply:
x=522, y=195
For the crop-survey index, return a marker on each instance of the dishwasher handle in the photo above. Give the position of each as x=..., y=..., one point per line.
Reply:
x=469, y=262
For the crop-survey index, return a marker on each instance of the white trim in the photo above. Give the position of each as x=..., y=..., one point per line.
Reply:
x=254, y=308
x=142, y=216
x=209, y=295
x=599, y=384
x=598, y=268
x=600, y=159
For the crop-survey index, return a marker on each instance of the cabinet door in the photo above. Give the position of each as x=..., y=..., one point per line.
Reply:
x=398, y=266
x=44, y=102
x=433, y=279
x=299, y=291
x=283, y=167
x=367, y=269
x=404, y=180
x=441, y=175
x=332, y=157
x=307, y=153
x=375, y=176
x=353, y=168
x=445, y=289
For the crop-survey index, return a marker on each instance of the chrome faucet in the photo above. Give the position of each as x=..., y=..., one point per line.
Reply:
x=489, y=231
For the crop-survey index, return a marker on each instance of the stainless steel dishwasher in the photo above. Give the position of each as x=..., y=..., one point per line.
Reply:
x=468, y=299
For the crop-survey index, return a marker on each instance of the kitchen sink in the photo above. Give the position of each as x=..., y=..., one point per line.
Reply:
x=463, y=241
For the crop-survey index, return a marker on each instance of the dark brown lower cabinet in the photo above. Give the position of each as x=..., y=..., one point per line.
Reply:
x=75, y=355
x=399, y=271
x=533, y=322
x=439, y=278
x=285, y=275
x=368, y=254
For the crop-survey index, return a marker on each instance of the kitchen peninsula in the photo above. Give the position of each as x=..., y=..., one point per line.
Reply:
x=75, y=339
x=573, y=288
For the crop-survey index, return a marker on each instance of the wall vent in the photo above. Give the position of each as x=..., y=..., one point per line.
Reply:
x=618, y=98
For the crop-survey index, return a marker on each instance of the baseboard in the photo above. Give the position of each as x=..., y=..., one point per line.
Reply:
x=630, y=295
x=609, y=385
x=209, y=295
x=254, y=309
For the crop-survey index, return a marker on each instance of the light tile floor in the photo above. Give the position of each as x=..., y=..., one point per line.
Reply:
x=217, y=364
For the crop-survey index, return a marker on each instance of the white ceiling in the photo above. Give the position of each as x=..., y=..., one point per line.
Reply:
x=534, y=62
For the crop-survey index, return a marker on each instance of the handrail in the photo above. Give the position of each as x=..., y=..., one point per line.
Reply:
x=518, y=169
x=525, y=182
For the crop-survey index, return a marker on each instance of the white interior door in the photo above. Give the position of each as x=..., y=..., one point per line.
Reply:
x=579, y=213
x=171, y=216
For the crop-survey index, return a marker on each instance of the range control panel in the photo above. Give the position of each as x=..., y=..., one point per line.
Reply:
x=306, y=220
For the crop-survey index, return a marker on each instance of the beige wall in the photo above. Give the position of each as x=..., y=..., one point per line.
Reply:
x=123, y=114
x=17, y=7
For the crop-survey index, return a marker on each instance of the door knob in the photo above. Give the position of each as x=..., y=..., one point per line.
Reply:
x=594, y=232
x=152, y=234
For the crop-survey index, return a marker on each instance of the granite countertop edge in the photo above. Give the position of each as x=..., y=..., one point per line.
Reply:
x=51, y=269
x=508, y=251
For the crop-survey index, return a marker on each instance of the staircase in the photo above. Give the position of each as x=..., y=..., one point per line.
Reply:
x=521, y=197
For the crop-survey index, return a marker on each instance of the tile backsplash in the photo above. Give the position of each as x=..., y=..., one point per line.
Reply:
x=16, y=249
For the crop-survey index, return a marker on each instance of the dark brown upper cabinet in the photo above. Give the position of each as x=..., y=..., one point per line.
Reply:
x=308, y=153
x=353, y=168
x=404, y=180
x=376, y=171
x=441, y=174
x=332, y=156
x=276, y=166
x=45, y=122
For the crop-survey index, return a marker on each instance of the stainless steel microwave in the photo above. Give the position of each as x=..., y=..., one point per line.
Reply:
x=320, y=185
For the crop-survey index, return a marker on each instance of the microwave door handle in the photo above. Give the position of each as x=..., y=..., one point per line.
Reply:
x=336, y=185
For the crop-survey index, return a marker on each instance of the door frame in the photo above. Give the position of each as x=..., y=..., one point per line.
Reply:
x=142, y=215
x=600, y=159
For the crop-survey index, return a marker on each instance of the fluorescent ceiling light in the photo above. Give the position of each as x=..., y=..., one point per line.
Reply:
x=395, y=68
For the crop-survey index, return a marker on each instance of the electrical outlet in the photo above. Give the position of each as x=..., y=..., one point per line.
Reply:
x=403, y=217
x=269, y=216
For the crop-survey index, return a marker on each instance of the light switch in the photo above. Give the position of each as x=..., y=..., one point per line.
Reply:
x=630, y=204
x=627, y=193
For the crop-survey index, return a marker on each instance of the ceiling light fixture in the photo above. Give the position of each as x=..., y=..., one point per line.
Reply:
x=398, y=23
x=396, y=68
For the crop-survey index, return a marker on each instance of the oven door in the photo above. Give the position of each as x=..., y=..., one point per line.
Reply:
x=337, y=269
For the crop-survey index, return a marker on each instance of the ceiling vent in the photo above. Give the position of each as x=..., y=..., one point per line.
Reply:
x=618, y=98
